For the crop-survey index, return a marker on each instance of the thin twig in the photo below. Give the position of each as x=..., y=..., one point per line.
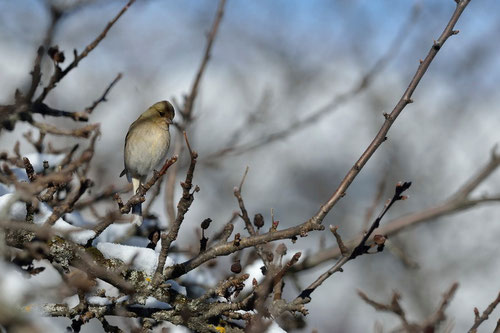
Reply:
x=394, y=306
x=67, y=205
x=35, y=74
x=376, y=200
x=246, y=219
x=59, y=73
x=456, y=203
x=343, y=249
x=189, y=102
x=220, y=234
x=187, y=110
x=337, y=101
x=144, y=188
x=104, y=95
x=391, y=117
x=486, y=313
x=497, y=328
x=430, y=325
x=361, y=247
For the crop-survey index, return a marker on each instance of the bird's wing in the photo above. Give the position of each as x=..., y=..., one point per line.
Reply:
x=124, y=171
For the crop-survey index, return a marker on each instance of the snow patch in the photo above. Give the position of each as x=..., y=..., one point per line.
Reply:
x=143, y=259
x=153, y=303
x=96, y=300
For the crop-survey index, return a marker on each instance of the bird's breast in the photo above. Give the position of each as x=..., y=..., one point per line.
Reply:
x=146, y=147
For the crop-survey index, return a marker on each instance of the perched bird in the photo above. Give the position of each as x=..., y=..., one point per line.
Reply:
x=146, y=145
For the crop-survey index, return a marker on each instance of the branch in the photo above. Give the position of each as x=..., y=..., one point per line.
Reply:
x=45, y=110
x=182, y=208
x=171, y=182
x=144, y=188
x=27, y=191
x=82, y=132
x=391, y=118
x=101, y=99
x=343, y=249
x=486, y=313
x=99, y=228
x=105, y=194
x=60, y=74
x=187, y=111
x=68, y=204
x=438, y=316
x=429, y=325
x=24, y=108
x=360, y=249
x=36, y=76
x=393, y=307
x=189, y=102
x=457, y=202
x=314, y=223
x=223, y=233
x=224, y=248
x=65, y=253
x=37, y=144
x=153, y=196
x=248, y=224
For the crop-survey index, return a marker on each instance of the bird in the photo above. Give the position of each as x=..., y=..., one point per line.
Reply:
x=146, y=145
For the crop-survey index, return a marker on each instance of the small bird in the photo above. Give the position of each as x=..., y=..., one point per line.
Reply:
x=146, y=145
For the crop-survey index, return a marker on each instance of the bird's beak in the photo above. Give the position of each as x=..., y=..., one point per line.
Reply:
x=169, y=121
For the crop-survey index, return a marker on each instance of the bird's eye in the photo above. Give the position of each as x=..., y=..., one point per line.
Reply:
x=162, y=113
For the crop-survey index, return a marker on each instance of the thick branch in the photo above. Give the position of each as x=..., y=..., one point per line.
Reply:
x=182, y=208
x=390, y=118
x=225, y=248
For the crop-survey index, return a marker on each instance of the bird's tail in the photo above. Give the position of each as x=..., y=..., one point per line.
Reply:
x=137, y=214
x=137, y=209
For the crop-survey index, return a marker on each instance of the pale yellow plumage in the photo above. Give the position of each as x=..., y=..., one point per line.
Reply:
x=146, y=144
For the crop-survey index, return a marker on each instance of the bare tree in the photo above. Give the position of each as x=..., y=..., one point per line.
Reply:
x=44, y=195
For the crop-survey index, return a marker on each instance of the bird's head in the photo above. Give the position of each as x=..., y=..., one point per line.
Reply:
x=160, y=111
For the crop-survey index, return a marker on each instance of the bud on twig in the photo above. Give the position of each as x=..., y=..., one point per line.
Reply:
x=236, y=267
x=258, y=220
x=206, y=223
